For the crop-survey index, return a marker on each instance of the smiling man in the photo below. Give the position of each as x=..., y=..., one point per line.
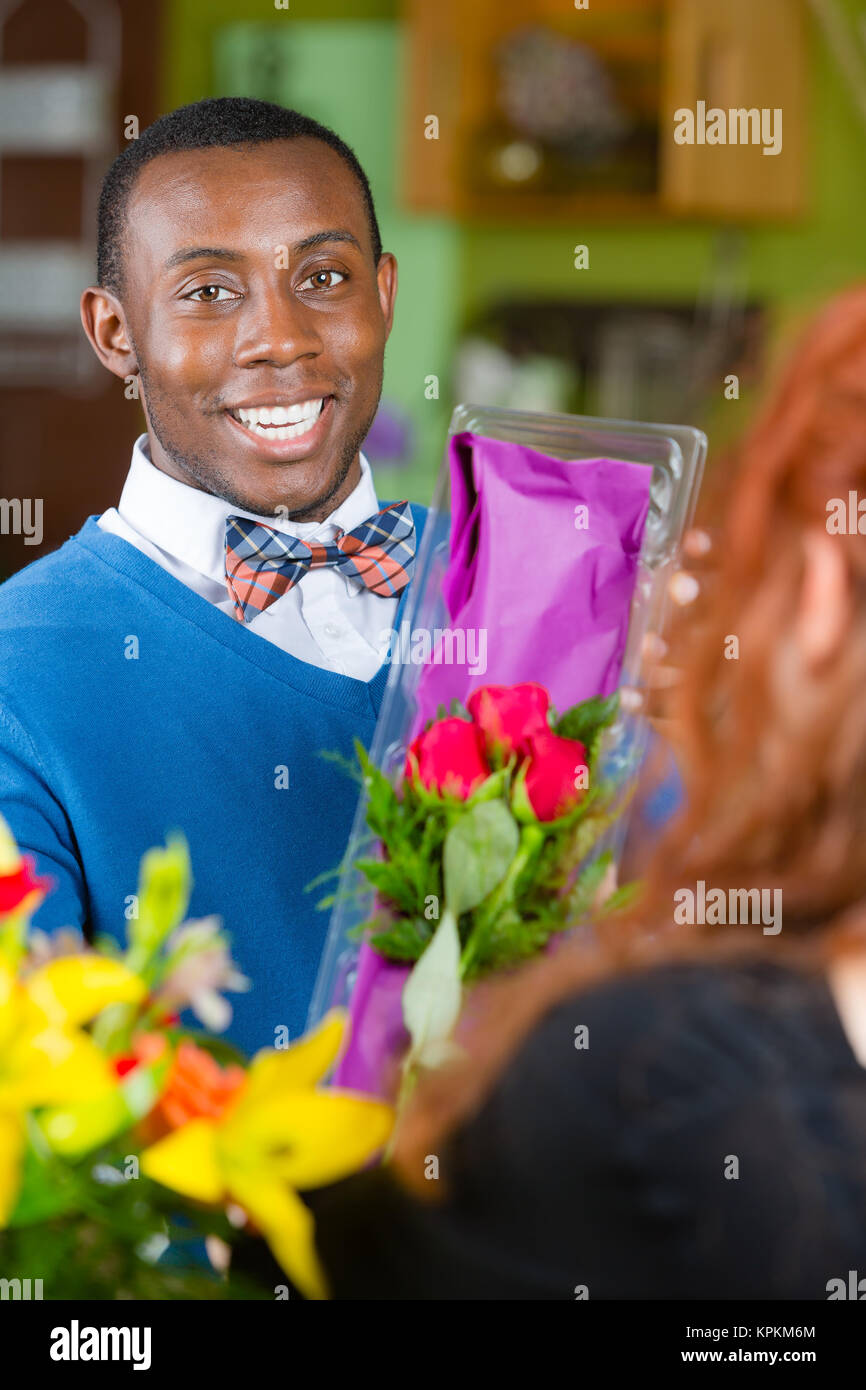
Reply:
x=183, y=661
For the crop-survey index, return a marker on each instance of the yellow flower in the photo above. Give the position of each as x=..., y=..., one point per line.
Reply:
x=277, y=1136
x=45, y=1058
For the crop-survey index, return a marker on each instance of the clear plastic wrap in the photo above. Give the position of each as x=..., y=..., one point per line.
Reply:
x=676, y=454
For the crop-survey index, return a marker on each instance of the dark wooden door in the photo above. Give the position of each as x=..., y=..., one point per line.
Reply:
x=66, y=430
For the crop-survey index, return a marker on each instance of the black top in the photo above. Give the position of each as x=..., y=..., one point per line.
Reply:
x=710, y=1142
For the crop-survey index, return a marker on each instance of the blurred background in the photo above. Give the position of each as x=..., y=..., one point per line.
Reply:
x=499, y=137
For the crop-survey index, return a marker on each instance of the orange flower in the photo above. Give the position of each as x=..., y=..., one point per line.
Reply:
x=197, y=1086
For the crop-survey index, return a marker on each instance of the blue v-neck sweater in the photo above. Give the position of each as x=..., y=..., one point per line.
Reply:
x=129, y=707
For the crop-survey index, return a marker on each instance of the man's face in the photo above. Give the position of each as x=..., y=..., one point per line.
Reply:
x=258, y=321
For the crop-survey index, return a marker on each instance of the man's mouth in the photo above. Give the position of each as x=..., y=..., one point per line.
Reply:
x=279, y=422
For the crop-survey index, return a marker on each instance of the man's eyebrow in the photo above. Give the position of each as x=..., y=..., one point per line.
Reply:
x=222, y=253
x=198, y=253
x=333, y=234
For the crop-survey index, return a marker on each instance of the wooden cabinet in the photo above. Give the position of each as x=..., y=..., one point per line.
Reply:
x=475, y=147
x=736, y=56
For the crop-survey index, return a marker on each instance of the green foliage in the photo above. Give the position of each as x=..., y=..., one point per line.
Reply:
x=100, y=1241
x=412, y=830
x=456, y=710
x=405, y=939
x=345, y=764
x=515, y=937
x=90, y=1232
x=587, y=721
x=49, y=1185
x=582, y=895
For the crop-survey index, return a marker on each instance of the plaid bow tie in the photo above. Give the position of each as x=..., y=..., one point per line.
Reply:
x=262, y=564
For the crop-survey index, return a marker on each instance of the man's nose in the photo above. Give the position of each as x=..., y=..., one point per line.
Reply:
x=276, y=328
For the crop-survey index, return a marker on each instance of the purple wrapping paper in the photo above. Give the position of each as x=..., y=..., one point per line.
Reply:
x=554, y=599
x=376, y=1032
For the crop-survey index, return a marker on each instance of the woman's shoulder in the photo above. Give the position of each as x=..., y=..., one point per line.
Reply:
x=702, y=1000
x=721, y=1028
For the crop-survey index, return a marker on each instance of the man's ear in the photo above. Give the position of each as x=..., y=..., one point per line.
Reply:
x=824, y=612
x=104, y=323
x=386, y=276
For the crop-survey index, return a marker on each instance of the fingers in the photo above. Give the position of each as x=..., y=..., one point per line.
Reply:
x=650, y=699
x=654, y=647
x=658, y=677
x=697, y=543
x=683, y=588
x=657, y=673
x=686, y=583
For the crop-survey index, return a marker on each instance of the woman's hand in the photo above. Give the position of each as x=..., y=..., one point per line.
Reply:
x=685, y=585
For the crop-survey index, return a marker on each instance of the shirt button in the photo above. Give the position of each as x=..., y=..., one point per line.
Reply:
x=332, y=630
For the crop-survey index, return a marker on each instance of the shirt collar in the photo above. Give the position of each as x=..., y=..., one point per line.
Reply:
x=189, y=524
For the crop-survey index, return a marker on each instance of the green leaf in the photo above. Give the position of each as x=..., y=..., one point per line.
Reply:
x=340, y=760
x=391, y=881
x=73, y=1130
x=404, y=940
x=622, y=897
x=13, y=937
x=432, y=996
x=582, y=895
x=383, y=802
x=222, y=1051
x=586, y=720
x=48, y=1186
x=477, y=853
x=164, y=887
x=492, y=788
x=515, y=938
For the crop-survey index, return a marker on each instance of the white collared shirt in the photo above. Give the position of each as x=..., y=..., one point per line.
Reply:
x=327, y=619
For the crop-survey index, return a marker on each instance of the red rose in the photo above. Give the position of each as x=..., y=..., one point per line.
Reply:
x=554, y=765
x=20, y=883
x=510, y=715
x=450, y=758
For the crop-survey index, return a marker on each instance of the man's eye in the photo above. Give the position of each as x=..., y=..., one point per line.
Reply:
x=329, y=283
x=209, y=292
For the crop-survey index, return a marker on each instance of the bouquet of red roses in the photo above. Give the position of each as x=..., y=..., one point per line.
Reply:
x=488, y=847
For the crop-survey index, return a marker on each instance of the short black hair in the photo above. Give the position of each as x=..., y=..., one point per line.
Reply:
x=216, y=121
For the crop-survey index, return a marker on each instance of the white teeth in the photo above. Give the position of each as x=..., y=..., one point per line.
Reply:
x=297, y=418
x=282, y=431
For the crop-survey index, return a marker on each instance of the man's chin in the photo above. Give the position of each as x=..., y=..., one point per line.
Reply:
x=285, y=492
